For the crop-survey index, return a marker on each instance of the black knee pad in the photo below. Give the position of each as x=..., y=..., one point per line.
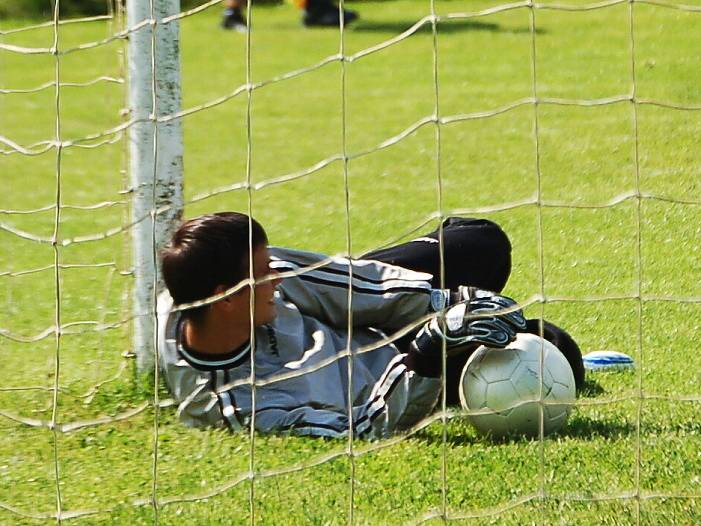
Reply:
x=563, y=341
x=478, y=248
x=489, y=228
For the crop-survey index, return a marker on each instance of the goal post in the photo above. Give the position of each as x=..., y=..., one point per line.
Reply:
x=155, y=155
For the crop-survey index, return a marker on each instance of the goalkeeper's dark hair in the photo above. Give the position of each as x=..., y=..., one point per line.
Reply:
x=206, y=252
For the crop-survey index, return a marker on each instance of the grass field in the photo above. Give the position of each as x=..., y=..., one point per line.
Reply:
x=620, y=460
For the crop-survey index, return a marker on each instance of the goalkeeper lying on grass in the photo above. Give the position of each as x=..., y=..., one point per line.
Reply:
x=301, y=326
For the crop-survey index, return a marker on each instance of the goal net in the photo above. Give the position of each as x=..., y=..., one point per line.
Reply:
x=573, y=125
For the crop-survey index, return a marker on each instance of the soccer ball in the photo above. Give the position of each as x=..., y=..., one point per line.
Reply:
x=501, y=388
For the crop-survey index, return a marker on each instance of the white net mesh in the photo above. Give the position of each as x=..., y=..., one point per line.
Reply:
x=67, y=372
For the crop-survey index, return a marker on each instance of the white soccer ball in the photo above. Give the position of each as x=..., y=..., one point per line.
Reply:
x=501, y=388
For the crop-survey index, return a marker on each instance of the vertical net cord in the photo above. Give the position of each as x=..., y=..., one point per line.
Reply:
x=252, y=297
x=95, y=364
x=638, y=261
x=154, y=313
x=121, y=23
x=57, y=260
x=441, y=262
x=541, y=257
x=349, y=252
x=110, y=15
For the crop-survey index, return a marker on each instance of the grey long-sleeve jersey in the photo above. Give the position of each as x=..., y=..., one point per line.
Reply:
x=300, y=359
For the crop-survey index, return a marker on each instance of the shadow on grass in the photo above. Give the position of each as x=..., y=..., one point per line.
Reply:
x=446, y=27
x=578, y=427
x=591, y=389
x=584, y=428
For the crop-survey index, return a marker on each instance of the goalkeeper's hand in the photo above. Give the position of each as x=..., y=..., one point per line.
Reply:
x=483, y=302
x=479, y=317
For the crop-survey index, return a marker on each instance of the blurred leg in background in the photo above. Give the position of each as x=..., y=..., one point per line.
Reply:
x=233, y=17
x=317, y=13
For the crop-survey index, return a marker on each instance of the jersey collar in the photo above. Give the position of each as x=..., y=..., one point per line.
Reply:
x=210, y=362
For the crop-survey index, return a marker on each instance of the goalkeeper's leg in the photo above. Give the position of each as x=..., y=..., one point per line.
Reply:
x=476, y=252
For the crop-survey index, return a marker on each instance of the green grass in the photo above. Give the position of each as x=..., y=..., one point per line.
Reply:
x=612, y=445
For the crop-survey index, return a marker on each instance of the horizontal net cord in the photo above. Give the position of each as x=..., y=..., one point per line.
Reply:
x=430, y=515
x=568, y=7
x=190, y=12
x=247, y=475
x=581, y=402
x=69, y=427
x=647, y=298
x=87, y=396
x=65, y=330
x=559, y=101
x=52, y=23
x=292, y=176
x=65, y=266
x=429, y=19
x=41, y=147
x=493, y=511
x=78, y=239
x=245, y=88
x=490, y=511
x=622, y=198
x=670, y=5
x=52, y=84
x=120, y=35
x=51, y=207
x=73, y=426
x=63, y=515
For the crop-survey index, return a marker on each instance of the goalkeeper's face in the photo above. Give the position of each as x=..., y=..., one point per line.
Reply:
x=266, y=281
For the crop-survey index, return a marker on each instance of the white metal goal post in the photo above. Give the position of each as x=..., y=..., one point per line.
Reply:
x=155, y=154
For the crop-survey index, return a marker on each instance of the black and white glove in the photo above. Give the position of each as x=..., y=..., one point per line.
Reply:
x=478, y=317
x=482, y=302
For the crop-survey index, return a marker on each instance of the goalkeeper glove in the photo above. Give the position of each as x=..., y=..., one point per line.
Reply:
x=479, y=317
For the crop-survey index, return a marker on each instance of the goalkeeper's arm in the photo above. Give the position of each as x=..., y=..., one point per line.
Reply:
x=480, y=317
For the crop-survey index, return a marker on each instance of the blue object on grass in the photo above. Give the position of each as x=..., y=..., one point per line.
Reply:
x=607, y=360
